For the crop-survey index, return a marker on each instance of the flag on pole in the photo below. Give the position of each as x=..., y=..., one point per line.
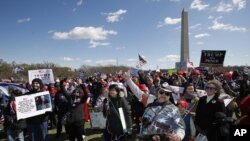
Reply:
x=142, y=61
x=190, y=65
x=157, y=68
x=17, y=70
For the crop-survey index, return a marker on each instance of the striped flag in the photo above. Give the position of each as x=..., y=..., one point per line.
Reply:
x=142, y=61
x=190, y=65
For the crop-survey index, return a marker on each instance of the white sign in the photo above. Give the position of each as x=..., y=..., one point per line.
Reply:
x=33, y=105
x=124, y=126
x=46, y=75
x=201, y=93
x=97, y=120
x=177, y=90
x=226, y=98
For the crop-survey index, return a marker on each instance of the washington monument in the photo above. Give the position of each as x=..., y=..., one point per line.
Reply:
x=182, y=65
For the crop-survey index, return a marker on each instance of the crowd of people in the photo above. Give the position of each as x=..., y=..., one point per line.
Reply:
x=151, y=109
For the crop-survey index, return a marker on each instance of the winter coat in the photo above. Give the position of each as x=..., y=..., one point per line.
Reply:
x=206, y=116
x=162, y=118
x=11, y=121
x=111, y=112
x=76, y=112
x=61, y=102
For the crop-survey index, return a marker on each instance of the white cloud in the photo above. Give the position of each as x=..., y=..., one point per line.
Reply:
x=199, y=5
x=131, y=60
x=224, y=7
x=87, y=61
x=70, y=59
x=210, y=17
x=169, y=21
x=94, y=44
x=231, y=5
x=202, y=35
x=227, y=27
x=169, y=58
x=24, y=20
x=106, y=62
x=89, y=33
x=195, y=26
x=79, y=3
x=115, y=16
x=200, y=43
x=240, y=4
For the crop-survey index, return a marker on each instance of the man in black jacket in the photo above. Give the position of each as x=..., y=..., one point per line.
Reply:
x=38, y=125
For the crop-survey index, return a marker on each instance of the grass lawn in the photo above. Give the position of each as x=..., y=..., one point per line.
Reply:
x=91, y=134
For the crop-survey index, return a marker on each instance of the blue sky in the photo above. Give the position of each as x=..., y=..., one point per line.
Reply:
x=101, y=32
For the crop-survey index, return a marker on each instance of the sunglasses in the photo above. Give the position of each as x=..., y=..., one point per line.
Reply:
x=164, y=92
x=210, y=88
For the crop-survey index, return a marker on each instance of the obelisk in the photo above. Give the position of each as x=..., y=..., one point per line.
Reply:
x=184, y=36
x=182, y=65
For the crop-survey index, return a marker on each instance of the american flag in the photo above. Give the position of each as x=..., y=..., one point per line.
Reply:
x=190, y=65
x=142, y=61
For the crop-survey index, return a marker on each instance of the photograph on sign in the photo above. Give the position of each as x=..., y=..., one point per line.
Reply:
x=33, y=105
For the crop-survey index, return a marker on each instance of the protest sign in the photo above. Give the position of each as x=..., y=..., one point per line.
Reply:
x=200, y=93
x=133, y=72
x=97, y=119
x=122, y=117
x=176, y=93
x=33, y=105
x=212, y=58
x=177, y=90
x=46, y=75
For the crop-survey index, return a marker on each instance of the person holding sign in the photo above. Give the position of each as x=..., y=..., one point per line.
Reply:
x=38, y=125
x=115, y=130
